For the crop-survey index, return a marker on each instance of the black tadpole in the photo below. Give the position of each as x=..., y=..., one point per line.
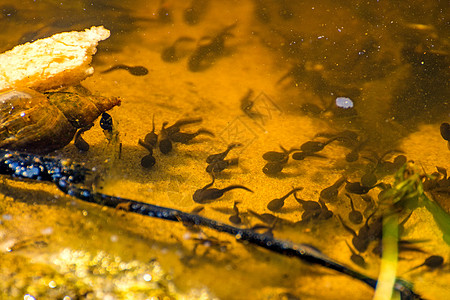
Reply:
x=354, y=216
x=217, y=162
x=221, y=156
x=185, y=137
x=357, y=188
x=66, y=175
x=148, y=160
x=207, y=194
x=302, y=155
x=220, y=165
x=275, y=156
x=360, y=240
x=151, y=138
x=330, y=193
x=165, y=144
x=432, y=262
x=356, y=258
x=235, y=218
x=266, y=218
x=176, y=127
x=353, y=155
x=273, y=168
x=277, y=204
x=133, y=70
x=315, y=146
x=308, y=205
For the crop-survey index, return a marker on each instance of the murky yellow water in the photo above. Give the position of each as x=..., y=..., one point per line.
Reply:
x=391, y=59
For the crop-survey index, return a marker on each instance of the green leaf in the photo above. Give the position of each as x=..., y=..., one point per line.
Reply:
x=441, y=218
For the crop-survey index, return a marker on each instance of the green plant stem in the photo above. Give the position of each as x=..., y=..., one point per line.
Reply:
x=388, y=269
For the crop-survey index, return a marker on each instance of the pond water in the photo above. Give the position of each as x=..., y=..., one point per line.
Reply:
x=367, y=80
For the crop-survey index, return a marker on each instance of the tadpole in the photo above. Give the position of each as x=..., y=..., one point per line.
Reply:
x=330, y=193
x=220, y=165
x=133, y=70
x=176, y=127
x=403, y=246
x=375, y=229
x=206, y=194
x=235, y=218
x=184, y=137
x=276, y=161
x=148, y=161
x=370, y=204
x=206, y=53
x=432, y=262
x=392, y=167
x=308, y=205
x=313, y=212
x=302, y=155
x=221, y=156
x=357, y=188
x=315, y=146
x=353, y=155
x=152, y=138
x=356, y=258
x=273, y=168
x=354, y=216
x=146, y=146
x=266, y=217
x=277, y=204
x=359, y=241
x=308, y=215
x=275, y=156
x=369, y=179
x=325, y=213
x=165, y=144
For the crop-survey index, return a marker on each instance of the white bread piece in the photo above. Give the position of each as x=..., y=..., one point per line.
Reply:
x=60, y=60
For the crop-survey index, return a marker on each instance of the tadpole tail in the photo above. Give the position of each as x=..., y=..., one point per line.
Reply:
x=301, y=251
x=187, y=121
x=348, y=228
x=153, y=123
x=236, y=186
x=116, y=67
x=204, y=131
x=294, y=190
